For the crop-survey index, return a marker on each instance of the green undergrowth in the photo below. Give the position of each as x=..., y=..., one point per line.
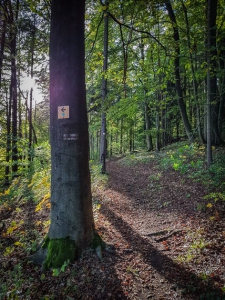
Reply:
x=191, y=160
x=185, y=159
x=34, y=183
x=132, y=159
x=98, y=180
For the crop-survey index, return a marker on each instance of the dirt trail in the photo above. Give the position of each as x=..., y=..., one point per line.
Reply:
x=149, y=213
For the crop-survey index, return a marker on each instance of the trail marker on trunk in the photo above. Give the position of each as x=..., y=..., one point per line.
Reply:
x=63, y=112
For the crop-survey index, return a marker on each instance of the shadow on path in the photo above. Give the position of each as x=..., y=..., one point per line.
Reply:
x=192, y=286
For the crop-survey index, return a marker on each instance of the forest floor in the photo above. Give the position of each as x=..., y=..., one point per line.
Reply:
x=165, y=241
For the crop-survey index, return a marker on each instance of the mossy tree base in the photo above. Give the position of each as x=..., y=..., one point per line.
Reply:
x=59, y=251
x=53, y=253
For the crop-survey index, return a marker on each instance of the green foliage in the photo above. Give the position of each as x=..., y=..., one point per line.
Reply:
x=19, y=189
x=135, y=158
x=16, y=277
x=195, y=244
x=56, y=272
x=179, y=158
x=155, y=177
x=31, y=185
x=215, y=175
x=216, y=196
x=98, y=180
x=191, y=160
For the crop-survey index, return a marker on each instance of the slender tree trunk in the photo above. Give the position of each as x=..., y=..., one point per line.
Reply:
x=3, y=33
x=30, y=146
x=111, y=144
x=8, y=141
x=148, y=127
x=146, y=108
x=157, y=125
x=164, y=129
x=103, y=147
x=130, y=138
x=30, y=126
x=213, y=136
x=14, y=108
x=26, y=116
x=181, y=103
x=12, y=45
x=221, y=86
x=121, y=136
x=194, y=80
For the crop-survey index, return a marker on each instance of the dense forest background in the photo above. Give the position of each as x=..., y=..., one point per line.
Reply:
x=154, y=75
x=155, y=91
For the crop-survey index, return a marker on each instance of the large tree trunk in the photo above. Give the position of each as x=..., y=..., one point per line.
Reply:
x=72, y=224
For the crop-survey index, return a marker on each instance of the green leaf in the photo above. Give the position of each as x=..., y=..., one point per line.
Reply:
x=55, y=272
x=42, y=276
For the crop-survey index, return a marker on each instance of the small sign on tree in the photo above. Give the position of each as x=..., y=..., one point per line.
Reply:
x=63, y=112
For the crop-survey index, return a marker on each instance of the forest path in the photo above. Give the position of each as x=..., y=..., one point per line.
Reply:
x=151, y=216
x=165, y=242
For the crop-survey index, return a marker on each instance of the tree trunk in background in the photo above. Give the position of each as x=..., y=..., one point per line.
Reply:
x=30, y=126
x=213, y=136
x=148, y=127
x=3, y=33
x=103, y=145
x=12, y=46
x=72, y=224
x=32, y=47
x=146, y=108
x=8, y=141
x=157, y=125
x=194, y=81
x=221, y=84
x=121, y=136
x=211, y=74
x=179, y=91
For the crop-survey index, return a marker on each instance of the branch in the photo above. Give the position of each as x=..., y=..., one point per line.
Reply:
x=92, y=48
x=137, y=30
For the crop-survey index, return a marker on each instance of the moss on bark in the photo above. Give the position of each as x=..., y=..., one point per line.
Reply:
x=59, y=251
x=97, y=241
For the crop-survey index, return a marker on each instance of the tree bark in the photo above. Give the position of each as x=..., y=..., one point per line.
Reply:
x=3, y=34
x=13, y=94
x=213, y=136
x=103, y=145
x=148, y=127
x=211, y=74
x=194, y=81
x=8, y=141
x=72, y=224
x=179, y=91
